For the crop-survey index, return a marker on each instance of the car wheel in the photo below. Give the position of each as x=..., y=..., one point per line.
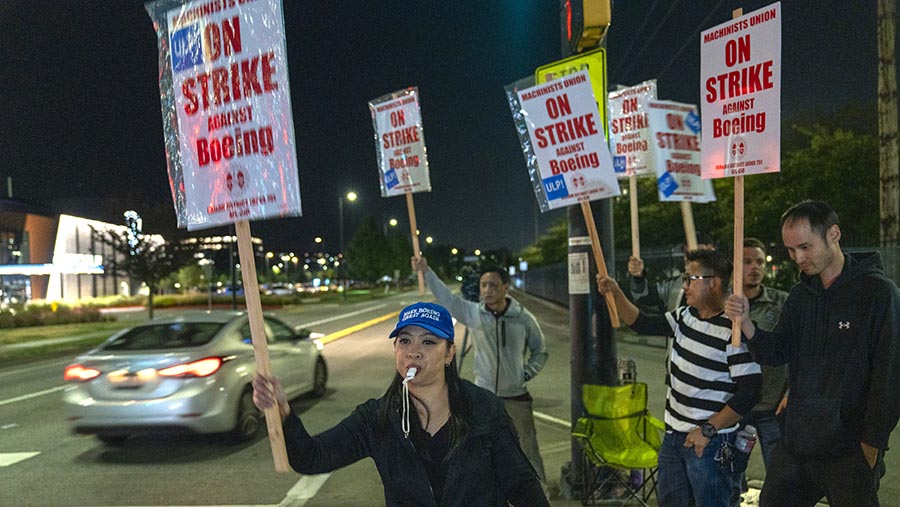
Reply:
x=320, y=379
x=112, y=439
x=249, y=418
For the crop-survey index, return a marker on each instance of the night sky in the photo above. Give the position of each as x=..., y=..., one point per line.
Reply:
x=79, y=98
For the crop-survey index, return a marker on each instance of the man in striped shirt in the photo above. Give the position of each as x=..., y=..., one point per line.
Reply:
x=710, y=386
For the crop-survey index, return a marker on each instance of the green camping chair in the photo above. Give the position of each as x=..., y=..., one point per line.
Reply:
x=618, y=434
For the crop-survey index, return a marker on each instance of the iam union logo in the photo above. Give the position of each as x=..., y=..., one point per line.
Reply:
x=738, y=149
x=235, y=181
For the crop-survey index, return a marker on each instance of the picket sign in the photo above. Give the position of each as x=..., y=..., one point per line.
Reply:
x=576, y=167
x=741, y=114
x=220, y=175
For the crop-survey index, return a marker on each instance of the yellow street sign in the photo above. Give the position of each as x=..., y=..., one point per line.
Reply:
x=595, y=63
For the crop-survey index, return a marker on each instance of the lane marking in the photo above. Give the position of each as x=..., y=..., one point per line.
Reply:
x=554, y=420
x=344, y=315
x=359, y=327
x=32, y=395
x=305, y=489
x=560, y=447
x=11, y=458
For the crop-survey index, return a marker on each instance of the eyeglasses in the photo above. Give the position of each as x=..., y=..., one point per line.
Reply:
x=687, y=279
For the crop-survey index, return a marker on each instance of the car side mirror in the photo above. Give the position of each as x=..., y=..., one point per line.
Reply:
x=303, y=334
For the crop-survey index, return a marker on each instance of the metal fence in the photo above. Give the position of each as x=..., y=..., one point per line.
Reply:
x=551, y=282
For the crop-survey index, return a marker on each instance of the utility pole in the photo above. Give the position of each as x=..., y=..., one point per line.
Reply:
x=887, y=125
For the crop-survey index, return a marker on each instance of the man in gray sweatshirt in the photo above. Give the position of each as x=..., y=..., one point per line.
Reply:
x=504, y=332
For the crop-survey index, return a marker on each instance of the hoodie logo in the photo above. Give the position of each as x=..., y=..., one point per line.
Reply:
x=843, y=324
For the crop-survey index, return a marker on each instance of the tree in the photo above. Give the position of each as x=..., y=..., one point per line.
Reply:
x=367, y=251
x=550, y=248
x=887, y=124
x=399, y=252
x=834, y=165
x=148, y=258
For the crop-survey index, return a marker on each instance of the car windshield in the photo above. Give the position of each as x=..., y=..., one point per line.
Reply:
x=166, y=336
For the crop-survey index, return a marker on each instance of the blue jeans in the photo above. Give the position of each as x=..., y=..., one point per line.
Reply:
x=684, y=479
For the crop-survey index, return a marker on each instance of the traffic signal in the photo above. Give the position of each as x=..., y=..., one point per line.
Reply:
x=585, y=22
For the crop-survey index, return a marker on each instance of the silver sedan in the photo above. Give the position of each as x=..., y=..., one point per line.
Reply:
x=188, y=373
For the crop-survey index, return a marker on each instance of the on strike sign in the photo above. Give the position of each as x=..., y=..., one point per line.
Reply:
x=675, y=128
x=400, y=143
x=740, y=86
x=629, y=131
x=568, y=141
x=226, y=110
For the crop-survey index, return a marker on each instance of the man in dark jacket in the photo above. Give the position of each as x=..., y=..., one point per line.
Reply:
x=839, y=333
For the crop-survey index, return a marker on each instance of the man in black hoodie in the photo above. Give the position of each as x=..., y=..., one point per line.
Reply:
x=839, y=333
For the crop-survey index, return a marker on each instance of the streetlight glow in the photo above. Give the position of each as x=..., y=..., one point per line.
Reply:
x=477, y=252
x=429, y=240
x=454, y=251
x=318, y=239
x=393, y=222
x=351, y=196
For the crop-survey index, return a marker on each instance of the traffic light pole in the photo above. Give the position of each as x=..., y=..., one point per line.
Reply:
x=593, y=346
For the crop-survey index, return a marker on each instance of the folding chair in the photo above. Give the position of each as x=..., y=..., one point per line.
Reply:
x=618, y=434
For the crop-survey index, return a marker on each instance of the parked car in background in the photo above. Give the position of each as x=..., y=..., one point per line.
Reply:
x=186, y=373
x=280, y=290
x=228, y=290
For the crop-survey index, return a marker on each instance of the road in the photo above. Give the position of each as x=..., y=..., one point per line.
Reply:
x=42, y=463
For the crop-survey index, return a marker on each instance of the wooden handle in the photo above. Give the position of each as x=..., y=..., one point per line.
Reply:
x=411, y=208
x=737, y=277
x=635, y=227
x=258, y=336
x=690, y=232
x=598, y=258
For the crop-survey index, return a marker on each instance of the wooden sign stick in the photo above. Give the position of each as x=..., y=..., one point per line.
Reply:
x=598, y=258
x=413, y=228
x=635, y=228
x=258, y=336
x=690, y=232
x=737, y=277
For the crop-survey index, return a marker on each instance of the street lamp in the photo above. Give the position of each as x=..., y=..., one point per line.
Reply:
x=285, y=258
x=392, y=222
x=351, y=196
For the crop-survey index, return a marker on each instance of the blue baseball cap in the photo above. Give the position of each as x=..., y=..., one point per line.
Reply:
x=430, y=316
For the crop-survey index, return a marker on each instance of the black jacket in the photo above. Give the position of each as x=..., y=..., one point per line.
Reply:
x=487, y=469
x=842, y=345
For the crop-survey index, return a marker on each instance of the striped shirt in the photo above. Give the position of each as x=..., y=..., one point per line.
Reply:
x=704, y=371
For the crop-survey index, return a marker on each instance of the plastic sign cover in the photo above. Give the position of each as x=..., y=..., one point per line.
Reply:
x=675, y=130
x=740, y=93
x=226, y=108
x=400, y=143
x=567, y=137
x=629, y=133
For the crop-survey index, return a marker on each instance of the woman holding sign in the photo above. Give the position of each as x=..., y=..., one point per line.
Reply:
x=436, y=439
